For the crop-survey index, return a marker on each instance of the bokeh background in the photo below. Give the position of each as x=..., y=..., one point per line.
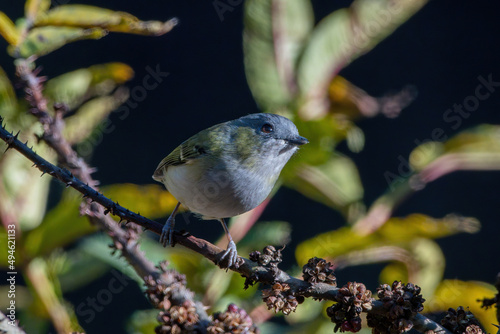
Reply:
x=441, y=51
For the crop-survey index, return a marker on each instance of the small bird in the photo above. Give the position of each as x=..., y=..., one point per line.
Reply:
x=228, y=169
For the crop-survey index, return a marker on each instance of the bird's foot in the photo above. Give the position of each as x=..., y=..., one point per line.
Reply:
x=232, y=256
x=166, y=237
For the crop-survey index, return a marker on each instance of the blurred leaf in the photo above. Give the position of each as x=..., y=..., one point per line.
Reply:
x=79, y=270
x=424, y=266
x=70, y=88
x=8, y=29
x=341, y=37
x=84, y=16
x=150, y=200
x=309, y=310
x=98, y=248
x=91, y=115
x=394, y=271
x=73, y=88
x=143, y=321
x=61, y=226
x=397, y=232
x=454, y=293
x=335, y=183
x=430, y=265
x=353, y=102
x=49, y=297
x=8, y=100
x=479, y=147
x=266, y=233
x=43, y=40
x=273, y=37
x=24, y=194
x=34, y=8
x=117, y=72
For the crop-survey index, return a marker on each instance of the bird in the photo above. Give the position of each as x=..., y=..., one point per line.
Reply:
x=227, y=169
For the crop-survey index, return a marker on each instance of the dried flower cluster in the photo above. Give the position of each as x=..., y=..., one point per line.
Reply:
x=319, y=271
x=174, y=317
x=352, y=299
x=234, y=320
x=270, y=257
x=401, y=303
x=178, y=319
x=280, y=298
x=461, y=321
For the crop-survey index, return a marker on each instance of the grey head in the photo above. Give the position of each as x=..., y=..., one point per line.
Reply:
x=274, y=133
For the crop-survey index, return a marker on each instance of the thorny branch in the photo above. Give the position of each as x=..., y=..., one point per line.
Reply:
x=78, y=176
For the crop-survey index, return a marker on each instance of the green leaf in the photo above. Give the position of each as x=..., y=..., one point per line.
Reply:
x=335, y=183
x=340, y=38
x=454, y=293
x=84, y=16
x=97, y=247
x=8, y=100
x=61, y=226
x=475, y=148
x=273, y=37
x=266, y=233
x=24, y=194
x=43, y=40
x=79, y=269
x=75, y=87
x=90, y=117
x=143, y=321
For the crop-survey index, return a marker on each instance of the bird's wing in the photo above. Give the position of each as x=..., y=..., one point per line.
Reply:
x=184, y=153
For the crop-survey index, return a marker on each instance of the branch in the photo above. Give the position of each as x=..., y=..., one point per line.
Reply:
x=253, y=271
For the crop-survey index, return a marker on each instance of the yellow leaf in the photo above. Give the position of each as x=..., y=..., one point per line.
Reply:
x=454, y=293
x=43, y=40
x=8, y=29
x=151, y=200
x=398, y=232
x=84, y=16
x=34, y=8
x=117, y=72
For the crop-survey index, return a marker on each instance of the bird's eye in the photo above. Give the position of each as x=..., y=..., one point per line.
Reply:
x=267, y=128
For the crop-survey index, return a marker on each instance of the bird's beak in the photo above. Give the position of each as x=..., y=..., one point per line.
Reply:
x=298, y=141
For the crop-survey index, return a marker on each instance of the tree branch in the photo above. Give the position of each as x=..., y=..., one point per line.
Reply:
x=249, y=269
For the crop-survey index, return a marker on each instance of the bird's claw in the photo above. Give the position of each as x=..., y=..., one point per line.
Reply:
x=232, y=256
x=166, y=237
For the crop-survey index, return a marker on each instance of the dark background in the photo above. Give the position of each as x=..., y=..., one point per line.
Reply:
x=441, y=51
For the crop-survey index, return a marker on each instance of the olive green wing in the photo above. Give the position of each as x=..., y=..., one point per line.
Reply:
x=184, y=153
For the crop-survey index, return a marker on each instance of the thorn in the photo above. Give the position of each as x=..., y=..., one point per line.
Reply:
x=16, y=135
x=106, y=211
x=43, y=173
x=69, y=184
x=26, y=143
x=85, y=195
x=34, y=164
x=127, y=222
